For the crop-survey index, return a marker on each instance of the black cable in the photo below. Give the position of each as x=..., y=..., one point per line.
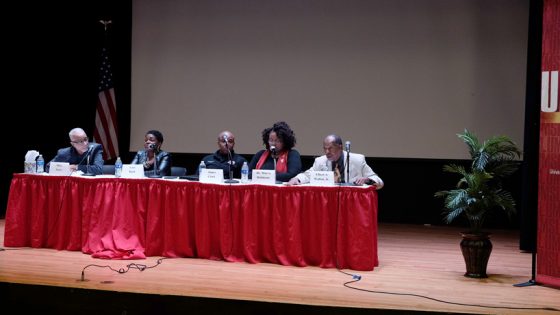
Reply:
x=140, y=267
x=2, y=249
x=357, y=277
x=346, y=284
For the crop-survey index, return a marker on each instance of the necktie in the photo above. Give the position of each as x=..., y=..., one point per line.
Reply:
x=336, y=173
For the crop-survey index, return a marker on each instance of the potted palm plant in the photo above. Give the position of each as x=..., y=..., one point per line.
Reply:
x=479, y=193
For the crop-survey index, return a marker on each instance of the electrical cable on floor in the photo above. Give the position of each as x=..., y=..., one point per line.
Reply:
x=357, y=277
x=14, y=248
x=140, y=267
x=346, y=284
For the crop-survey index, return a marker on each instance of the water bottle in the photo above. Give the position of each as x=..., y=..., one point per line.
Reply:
x=40, y=164
x=245, y=173
x=200, y=167
x=118, y=167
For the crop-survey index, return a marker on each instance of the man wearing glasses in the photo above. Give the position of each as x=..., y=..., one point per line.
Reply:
x=80, y=153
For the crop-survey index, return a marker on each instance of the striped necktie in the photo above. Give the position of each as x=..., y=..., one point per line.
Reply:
x=336, y=170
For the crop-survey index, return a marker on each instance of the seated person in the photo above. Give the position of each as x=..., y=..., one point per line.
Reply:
x=221, y=158
x=153, y=155
x=334, y=160
x=78, y=152
x=279, y=153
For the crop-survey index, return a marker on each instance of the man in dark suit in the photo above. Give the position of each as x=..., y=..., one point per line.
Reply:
x=78, y=152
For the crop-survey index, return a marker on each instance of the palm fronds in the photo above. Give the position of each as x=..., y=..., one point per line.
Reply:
x=479, y=190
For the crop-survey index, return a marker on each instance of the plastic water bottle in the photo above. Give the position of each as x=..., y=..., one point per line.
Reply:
x=40, y=164
x=245, y=173
x=200, y=167
x=118, y=167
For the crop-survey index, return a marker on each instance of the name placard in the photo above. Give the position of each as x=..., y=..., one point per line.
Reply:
x=60, y=168
x=213, y=176
x=321, y=178
x=132, y=171
x=265, y=177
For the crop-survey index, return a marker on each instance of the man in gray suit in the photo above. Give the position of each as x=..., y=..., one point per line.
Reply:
x=335, y=160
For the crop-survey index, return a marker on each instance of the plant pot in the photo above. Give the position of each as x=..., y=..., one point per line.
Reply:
x=476, y=249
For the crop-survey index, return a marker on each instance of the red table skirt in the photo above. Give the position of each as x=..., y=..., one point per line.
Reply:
x=134, y=218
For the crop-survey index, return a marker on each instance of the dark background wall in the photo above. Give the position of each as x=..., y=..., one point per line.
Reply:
x=53, y=53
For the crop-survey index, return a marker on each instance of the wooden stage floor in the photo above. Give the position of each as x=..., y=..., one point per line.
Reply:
x=421, y=270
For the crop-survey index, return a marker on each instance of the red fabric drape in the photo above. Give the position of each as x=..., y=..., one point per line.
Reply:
x=134, y=218
x=548, y=251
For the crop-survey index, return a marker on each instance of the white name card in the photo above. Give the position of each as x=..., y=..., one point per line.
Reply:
x=132, y=171
x=213, y=176
x=266, y=177
x=321, y=178
x=60, y=168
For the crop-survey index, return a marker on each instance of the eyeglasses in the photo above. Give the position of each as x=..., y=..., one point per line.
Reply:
x=83, y=140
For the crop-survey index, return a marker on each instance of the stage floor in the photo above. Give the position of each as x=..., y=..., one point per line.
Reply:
x=419, y=265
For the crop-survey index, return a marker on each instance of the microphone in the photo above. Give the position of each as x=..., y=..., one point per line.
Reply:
x=88, y=152
x=155, y=172
x=90, y=148
x=230, y=180
x=226, y=142
x=347, y=162
x=273, y=151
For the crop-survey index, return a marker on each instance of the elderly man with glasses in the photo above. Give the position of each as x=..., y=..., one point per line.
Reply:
x=82, y=155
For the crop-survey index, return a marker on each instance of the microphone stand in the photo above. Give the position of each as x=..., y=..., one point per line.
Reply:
x=347, y=165
x=274, y=157
x=155, y=174
x=88, y=173
x=230, y=180
x=272, y=150
x=347, y=171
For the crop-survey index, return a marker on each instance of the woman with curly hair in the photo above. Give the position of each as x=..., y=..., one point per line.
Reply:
x=279, y=152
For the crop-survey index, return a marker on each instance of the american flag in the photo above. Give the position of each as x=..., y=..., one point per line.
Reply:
x=106, y=115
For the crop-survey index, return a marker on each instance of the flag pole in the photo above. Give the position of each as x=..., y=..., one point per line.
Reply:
x=106, y=130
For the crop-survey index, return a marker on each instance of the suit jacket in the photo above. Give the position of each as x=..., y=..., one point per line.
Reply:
x=71, y=156
x=358, y=168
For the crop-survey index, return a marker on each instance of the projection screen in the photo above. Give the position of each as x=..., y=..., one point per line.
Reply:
x=398, y=78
